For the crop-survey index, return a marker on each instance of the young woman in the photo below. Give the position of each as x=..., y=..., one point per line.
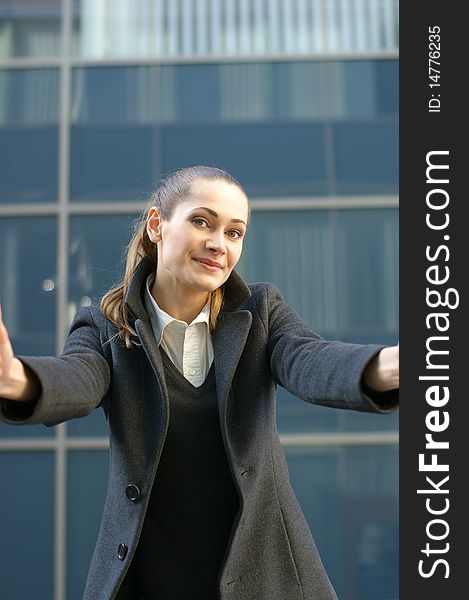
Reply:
x=184, y=358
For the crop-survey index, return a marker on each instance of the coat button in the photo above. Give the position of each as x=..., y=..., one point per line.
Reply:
x=132, y=492
x=122, y=551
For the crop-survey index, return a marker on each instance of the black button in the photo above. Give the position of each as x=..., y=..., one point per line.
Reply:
x=122, y=551
x=132, y=492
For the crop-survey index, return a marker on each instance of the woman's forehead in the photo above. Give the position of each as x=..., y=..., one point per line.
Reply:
x=223, y=197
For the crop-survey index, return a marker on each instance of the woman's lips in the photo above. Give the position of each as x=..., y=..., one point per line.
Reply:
x=209, y=264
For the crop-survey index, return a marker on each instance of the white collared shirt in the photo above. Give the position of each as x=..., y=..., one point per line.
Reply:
x=189, y=346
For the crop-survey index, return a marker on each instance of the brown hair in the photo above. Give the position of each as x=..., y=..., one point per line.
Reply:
x=173, y=189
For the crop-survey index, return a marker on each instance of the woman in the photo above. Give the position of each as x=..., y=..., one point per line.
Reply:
x=184, y=358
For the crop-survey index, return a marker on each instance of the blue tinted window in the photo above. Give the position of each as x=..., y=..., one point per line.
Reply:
x=297, y=91
x=367, y=275
x=387, y=86
x=87, y=476
x=28, y=282
x=124, y=164
x=349, y=497
x=117, y=163
x=365, y=157
x=96, y=255
x=133, y=124
x=362, y=88
x=296, y=416
x=269, y=160
x=339, y=271
x=30, y=29
x=352, y=90
x=97, y=245
x=28, y=135
x=27, y=524
x=24, y=431
x=198, y=93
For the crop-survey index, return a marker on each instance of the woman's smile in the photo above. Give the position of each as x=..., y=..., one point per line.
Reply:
x=208, y=264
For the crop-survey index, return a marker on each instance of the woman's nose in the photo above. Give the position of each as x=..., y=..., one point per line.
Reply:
x=216, y=241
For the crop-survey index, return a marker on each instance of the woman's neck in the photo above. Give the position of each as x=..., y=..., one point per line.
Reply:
x=180, y=305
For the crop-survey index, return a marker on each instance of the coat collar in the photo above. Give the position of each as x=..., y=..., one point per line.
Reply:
x=229, y=337
x=236, y=291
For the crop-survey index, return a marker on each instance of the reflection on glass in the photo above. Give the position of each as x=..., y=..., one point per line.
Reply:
x=338, y=269
x=350, y=499
x=28, y=135
x=280, y=128
x=368, y=275
x=203, y=28
x=199, y=93
x=27, y=262
x=97, y=244
x=29, y=28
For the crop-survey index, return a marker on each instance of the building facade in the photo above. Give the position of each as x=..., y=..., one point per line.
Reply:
x=298, y=99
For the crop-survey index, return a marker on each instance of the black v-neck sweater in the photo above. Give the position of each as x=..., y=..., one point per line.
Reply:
x=193, y=501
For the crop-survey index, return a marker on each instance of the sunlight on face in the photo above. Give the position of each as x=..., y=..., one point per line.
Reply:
x=202, y=241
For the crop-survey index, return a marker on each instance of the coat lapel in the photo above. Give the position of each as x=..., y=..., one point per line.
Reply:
x=146, y=336
x=229, y=339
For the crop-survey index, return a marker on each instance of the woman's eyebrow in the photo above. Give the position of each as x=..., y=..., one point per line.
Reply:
x=212, y=212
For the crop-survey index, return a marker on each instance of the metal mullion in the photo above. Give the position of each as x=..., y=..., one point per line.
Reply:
x=50, y=443
x=256, y=204
x=219, y=58
x=28, y=444
x=30, y=63
x=28, y=210
x=60, y=545
x=265, y=203
x=314, y=440
x=216, y=58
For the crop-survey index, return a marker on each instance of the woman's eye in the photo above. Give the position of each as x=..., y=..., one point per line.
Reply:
x=233, y=233
x=199, y=221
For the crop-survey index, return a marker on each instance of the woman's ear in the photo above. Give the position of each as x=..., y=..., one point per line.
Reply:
x=154, y=222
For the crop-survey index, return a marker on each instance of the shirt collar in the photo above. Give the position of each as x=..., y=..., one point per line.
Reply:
x=161, y=319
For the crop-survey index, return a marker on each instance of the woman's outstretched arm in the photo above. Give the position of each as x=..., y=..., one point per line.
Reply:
x=56, y=388
x=329, y=373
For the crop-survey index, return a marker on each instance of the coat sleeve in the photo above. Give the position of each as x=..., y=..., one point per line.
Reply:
x=72, y=384
x=316, y=370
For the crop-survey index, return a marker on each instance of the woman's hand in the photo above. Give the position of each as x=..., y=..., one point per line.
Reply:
x=382, y=372
x=16, y=381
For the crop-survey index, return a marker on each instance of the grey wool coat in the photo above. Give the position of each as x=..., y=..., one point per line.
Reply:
x=259, y=342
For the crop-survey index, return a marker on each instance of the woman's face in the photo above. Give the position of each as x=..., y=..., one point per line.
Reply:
x=201, y=243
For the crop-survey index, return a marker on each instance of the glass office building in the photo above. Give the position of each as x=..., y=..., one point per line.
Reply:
x=298, y=99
